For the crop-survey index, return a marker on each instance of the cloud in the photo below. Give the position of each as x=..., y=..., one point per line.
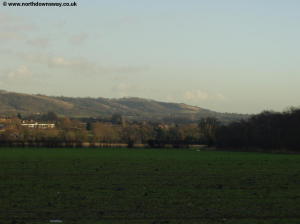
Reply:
x=125, y=90
x=220, y=96
x=13, y=27
x=61, y=61
x=75, y=66
x=122, y=89
x=17, y=28
x=54, y=61
x=79, y=65
x=6, y=18
x=39, y=42
x=8, y=36
x=21, y=73
x=200, y=95
x=78, y=39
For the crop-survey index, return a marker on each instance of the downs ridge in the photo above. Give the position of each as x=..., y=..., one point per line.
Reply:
x=131, y=108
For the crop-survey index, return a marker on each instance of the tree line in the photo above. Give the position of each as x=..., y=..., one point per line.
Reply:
x=112, y=132
x=267, y=131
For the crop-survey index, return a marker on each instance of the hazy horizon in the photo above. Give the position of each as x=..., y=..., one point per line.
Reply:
x=236, y=56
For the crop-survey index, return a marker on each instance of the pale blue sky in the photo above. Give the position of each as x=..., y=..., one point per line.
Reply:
x=224, y=55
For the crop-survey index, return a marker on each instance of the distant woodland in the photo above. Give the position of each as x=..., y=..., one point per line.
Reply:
x=268, y=131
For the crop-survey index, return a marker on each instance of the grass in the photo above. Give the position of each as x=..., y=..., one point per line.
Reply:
x=99, y=186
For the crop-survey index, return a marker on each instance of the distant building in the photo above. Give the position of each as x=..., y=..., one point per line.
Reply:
x=4, y=120
x=37, y=125
x=164, y=126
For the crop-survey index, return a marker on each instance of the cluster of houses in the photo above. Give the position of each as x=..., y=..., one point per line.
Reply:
x=32, y=124
x=6, y=122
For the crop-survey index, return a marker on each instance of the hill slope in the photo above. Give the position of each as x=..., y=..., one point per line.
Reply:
x=132, y=108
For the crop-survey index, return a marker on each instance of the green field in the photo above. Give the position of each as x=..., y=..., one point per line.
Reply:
x=148, y=186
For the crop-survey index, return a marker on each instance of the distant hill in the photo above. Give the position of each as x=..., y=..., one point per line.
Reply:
x=131, y=108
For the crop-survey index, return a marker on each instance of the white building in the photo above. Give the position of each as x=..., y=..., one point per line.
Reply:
x=38, y=125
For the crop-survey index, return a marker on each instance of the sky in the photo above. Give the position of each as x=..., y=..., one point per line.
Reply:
x=239, y=56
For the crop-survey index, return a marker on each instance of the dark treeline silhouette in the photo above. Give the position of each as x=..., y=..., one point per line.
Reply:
x=268, y=131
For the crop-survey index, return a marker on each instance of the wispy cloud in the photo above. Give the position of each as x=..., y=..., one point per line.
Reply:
x=16, y=28
x=20, y=73
x=82, y=65
x=9, y=36
x=13, y=27
x=39, y=42
x=6, y=18
x=124, y=89
x=78, y=39
x=200, y=95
